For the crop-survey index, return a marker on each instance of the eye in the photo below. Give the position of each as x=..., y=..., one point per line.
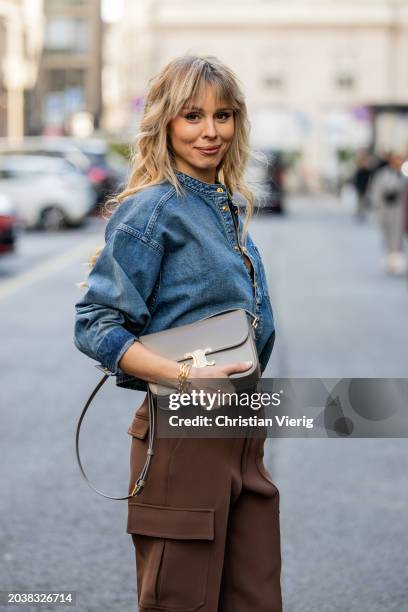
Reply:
x=223, y=115
x=193, y=116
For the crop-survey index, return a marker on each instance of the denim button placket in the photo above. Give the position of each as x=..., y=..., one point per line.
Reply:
x=227, y=219
x=206, y=189
x=218, y=193
x=255, y=285
x=259, y=327
x=229, y=222
x=213, y=192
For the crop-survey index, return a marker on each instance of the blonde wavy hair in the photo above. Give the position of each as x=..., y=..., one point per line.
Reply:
x=180, y=83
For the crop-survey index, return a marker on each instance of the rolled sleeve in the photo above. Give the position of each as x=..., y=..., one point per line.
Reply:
x=115, y=309
x=113, y=346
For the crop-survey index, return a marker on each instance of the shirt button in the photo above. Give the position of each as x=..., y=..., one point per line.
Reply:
x=220, y=190
x=236, y=211
x=236, y=247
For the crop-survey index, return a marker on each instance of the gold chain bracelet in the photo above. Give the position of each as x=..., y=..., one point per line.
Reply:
x=185, y=369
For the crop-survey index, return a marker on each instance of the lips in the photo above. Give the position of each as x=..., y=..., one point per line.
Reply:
x=209, y=150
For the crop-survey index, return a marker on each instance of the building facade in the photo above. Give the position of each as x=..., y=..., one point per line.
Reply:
x=313, y=70
x=70, y=69
x=21, y=35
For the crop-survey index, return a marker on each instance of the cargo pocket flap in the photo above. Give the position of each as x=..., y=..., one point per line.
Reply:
x=170, y=522
x=139, y=427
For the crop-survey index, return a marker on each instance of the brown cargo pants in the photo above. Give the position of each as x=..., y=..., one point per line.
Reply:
x=206, y=526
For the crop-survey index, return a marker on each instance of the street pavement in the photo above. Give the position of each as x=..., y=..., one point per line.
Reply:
x=343, y=502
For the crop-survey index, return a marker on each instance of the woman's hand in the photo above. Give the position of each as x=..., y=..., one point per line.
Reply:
x=221, y=371
x=205, y=378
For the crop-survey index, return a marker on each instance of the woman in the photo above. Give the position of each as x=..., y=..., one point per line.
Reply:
x=206, y=527
x=387, y=194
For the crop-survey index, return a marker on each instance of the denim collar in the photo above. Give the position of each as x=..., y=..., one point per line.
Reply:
x=209, y=189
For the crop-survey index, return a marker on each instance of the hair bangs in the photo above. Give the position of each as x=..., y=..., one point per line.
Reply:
x=198, y=77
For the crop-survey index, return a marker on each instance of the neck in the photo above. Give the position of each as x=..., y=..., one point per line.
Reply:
x=206, y=175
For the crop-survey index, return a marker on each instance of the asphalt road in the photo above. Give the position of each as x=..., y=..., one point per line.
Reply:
x=343, y=502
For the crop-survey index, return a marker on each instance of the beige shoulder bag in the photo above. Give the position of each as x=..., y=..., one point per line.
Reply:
x=221, y=338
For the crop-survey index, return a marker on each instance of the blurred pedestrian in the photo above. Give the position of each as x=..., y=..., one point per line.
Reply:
x=388, y=198
x=381, y=160
x=360, y=180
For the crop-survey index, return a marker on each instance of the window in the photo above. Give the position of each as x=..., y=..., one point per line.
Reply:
x=273, y=81
x=65, y=94
x=65, y=35
x=52, y=5
x=60, y=79
x=345, y=81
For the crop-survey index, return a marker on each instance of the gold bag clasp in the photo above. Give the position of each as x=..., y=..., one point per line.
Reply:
x=199, y=357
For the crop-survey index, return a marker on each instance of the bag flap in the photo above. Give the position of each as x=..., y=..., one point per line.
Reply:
x=169, y=522
x=217, y=333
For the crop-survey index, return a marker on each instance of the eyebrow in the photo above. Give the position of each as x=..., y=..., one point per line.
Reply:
x=197, y=108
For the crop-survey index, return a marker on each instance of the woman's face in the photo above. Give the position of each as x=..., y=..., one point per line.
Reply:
x=201, y=135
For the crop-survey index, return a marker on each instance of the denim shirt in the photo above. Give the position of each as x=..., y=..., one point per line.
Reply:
x=169, y=260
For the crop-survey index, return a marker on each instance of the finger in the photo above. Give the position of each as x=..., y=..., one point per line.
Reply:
x=239, y=366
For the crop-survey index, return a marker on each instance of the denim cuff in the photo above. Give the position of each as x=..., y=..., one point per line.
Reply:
x=113, y=346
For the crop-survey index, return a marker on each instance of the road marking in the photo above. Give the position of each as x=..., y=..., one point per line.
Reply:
x=43, y=270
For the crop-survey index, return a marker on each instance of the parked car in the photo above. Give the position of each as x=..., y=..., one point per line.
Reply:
x=48, y=192
x=106, y=171
x=264, y=176
x=8, y=225
x=50, y=146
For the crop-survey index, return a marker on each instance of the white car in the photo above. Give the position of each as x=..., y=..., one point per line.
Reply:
x=47, y=192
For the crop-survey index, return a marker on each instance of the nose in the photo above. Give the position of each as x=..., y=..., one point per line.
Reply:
x=210, y=129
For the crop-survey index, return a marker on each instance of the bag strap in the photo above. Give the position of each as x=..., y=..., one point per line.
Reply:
x=141, y=479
